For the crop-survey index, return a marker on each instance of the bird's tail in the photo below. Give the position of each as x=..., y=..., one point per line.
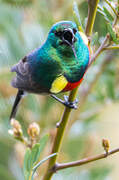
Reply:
x=19, y=96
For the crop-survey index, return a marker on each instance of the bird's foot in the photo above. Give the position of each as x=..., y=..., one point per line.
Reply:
x=66, y=101
x=69, y=104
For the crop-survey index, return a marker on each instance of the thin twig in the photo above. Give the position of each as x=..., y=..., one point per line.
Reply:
x=58, y=166
x=97, y=53
x=111, y=48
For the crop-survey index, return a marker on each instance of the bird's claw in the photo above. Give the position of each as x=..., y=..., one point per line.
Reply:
x=70, y=104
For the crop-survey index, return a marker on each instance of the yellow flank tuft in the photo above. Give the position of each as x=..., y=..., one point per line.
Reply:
x=58, y=84
x=84, y=37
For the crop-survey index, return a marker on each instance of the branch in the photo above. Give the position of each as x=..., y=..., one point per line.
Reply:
x=111, y=48
x=100, y=49
x=60, y=131
x=92, y=9
x=58, y=166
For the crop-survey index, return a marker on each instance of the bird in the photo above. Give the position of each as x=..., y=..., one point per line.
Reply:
x=57, y=66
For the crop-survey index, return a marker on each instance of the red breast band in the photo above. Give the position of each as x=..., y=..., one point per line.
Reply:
x=71, y=86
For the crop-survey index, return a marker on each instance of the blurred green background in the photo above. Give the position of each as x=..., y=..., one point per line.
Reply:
x=24, y=25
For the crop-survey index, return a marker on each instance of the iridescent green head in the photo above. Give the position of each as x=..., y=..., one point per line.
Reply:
x=63, y=35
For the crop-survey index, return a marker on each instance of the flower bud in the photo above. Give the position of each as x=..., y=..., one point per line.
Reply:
x=33, y=130
x=16, y=128
x=105, y=144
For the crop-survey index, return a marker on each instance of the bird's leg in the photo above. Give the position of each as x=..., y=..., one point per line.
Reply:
x=66, y=101
x=16, y=103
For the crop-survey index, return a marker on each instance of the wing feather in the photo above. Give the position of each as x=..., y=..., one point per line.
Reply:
x=22, y=78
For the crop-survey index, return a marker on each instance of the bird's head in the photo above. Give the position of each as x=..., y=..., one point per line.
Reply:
x=63, y=36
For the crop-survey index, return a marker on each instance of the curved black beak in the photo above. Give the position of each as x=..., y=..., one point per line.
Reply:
x=69, y=38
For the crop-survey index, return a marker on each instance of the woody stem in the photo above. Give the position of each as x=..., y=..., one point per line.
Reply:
x=60, y=131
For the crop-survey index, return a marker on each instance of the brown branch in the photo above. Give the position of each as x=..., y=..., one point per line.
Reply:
x=58, y=166
x=111, y=48
x=100, y=49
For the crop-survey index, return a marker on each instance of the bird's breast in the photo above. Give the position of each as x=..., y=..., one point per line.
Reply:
x=70, y=86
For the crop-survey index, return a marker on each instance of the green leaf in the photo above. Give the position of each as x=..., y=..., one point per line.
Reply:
x=43, y=142
x=41, y=162
x=26, y=166
x=112, y=33
x=76, y=16
x=108, y=14
x=33, y=156
x=100, y=7
x=105, y=13
x=36, y=151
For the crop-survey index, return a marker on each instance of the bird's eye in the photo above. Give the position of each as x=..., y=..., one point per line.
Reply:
x=74, y=30
x=58, y=33
x=68, y=36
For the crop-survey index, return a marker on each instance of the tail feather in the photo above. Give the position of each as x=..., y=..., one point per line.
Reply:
x=16, y=103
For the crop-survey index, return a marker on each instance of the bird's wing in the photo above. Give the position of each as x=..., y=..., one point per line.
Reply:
x=35, y=79
x=23, y=76
x=58, y=84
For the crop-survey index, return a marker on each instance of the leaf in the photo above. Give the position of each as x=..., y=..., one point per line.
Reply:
x=41, y=162
x=43, y=142
x=26, y=166
x=112, y=33
x=36, y=151
x=105, y=13
x=77, y=16
x=32, y=156
x=108, y=14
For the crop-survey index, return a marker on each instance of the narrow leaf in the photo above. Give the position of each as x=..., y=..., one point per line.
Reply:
x=26, y=169
x=103, y=14
x=108, y=14
x=33, y=155
x=43, y=142
x=76, y=16
x=36, y=151
x=112, y=33
x=41, y=162
x=100, y=8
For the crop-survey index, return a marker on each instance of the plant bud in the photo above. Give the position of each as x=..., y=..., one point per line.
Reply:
x=33, y=130
x=105, y=144
x=16, y=128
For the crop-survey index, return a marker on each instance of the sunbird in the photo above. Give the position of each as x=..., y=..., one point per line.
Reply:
x=57, y=66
